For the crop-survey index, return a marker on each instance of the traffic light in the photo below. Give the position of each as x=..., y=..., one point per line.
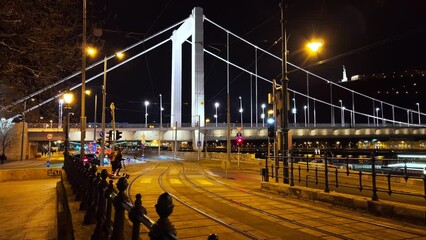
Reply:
x=117, y=134
x=109, y=135
x=240, y=141
x=271, y=127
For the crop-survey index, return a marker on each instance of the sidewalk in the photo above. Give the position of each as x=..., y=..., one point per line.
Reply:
x=28, y=209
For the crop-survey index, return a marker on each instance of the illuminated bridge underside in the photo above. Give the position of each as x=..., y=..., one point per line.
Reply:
x=212, y=133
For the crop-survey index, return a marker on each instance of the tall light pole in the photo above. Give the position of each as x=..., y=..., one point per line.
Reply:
x=83, y=86
x=119, y=55
x=23, y=130
x=343, y=116
x=60, y=107
x=241, y=110
x=284, y=84
x=304, y=110
x=418, y=111
x=377, y=116
x=161, y=125
x=216, y=105
x=146, y=103
x=341, y=112
x=101, y=154
x=68, y=99
x=263, y=114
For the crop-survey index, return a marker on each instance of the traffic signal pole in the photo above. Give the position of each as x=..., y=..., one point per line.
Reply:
x=284, y=84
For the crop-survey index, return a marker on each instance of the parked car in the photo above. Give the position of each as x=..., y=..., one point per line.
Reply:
x=88, y=158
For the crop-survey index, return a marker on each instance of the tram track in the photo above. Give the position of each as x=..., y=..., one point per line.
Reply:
x=184, y=176
x=412, y=231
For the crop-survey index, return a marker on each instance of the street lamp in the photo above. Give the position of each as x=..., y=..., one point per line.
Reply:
x=241, y=109
x=377, y=116
x=294, y=111
x=88, y=93
x=146, y=113
x=216, y=105
x=418, y=111
x=304, y=109
x=68, y=98
x=263, y=114
x=161, y=125
x=119, y=55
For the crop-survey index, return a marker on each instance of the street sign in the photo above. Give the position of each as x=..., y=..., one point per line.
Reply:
x=101, y=134
x=49, y=136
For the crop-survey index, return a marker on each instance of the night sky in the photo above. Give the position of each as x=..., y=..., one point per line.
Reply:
x=365, y=36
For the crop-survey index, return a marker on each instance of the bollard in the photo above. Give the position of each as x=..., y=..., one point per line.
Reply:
x=136, y=211
x=118, y=229
x=163, y=226
x=100, y=213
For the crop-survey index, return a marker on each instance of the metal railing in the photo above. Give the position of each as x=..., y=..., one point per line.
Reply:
x=100, y=199
x=391, y=176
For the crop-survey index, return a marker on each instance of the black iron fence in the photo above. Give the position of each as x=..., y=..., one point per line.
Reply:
x=99, y=199
x=391, y=176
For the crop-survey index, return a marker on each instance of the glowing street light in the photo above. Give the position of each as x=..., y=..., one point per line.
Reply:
x=377, y=116
x=146, y=103
x=418, y=111
x=241, y=109
x=216, y=105
x=314, y=46
x=263, y=114
x=304, y=109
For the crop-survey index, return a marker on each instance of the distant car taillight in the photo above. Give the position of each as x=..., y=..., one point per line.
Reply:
x=85, y=160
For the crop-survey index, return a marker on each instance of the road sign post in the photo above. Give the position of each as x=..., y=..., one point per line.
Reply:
x=49, y=137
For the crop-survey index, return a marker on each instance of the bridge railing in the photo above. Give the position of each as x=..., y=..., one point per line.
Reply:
x=389, y=176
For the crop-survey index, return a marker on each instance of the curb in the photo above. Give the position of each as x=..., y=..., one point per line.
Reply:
x=410, y=213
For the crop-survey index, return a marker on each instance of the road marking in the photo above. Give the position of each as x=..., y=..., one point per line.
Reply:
x=175, y=181
x=204, y=182
x=145, y=180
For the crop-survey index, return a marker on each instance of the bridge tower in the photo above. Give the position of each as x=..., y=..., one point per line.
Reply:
x=192, y=27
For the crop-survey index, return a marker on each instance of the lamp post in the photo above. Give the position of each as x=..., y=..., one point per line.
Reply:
x=304, y=109
x=146, y=103
x=83, y=86
x=68, y=99
x=377, y=116
x=343, y=116
x=418, y=111
x=341, y=112
x=119, y=55
x=161, y=125
x=241, y=109
x=263, y=114
x=216, y=105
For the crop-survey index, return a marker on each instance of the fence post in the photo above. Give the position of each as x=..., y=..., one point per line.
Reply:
x=373, y=177
x=100, y=213
x=118, y=229
x=92, y=191
x=137, y=210
x=163, y=226
x=326, y=189
x=106, y=228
